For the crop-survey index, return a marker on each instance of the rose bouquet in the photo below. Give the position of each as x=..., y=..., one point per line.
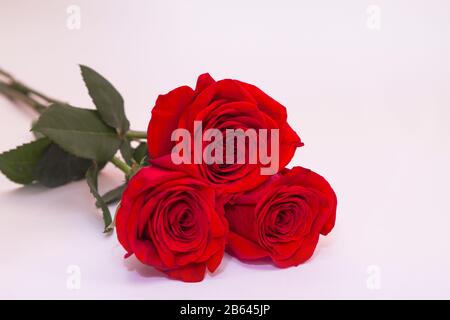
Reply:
x=209, y=175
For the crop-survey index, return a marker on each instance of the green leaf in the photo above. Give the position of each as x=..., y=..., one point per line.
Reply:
x=78, y=131
x=57, y=167
x=127, y=151
x=141, y=153
x=113, y=195
x=107, y=99
x=18, y=164
x=92, y=181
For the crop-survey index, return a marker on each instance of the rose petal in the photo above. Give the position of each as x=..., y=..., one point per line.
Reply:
x=214, y=262
x=305, y=252
x=164, y=120
x=190, y=273
x=244, y=249
x=204, y=81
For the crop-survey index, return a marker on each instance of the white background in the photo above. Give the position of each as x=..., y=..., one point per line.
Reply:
x=372, y=107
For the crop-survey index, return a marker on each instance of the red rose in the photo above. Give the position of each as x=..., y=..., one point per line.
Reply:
x=224, y=104
x=282, y=219
x=169, y=221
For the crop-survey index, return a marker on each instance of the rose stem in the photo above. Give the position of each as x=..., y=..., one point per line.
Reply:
x=15, y=90
x=136, y=135
x=121, y=165
x=19, y=96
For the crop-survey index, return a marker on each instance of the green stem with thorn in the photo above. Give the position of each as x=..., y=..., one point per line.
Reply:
x=121, y=165
x=136, y=135
x=17, y=91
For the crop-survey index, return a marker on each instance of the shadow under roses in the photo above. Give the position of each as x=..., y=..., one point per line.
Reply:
x=266, y=264
x=27, y=190
x=134, y=265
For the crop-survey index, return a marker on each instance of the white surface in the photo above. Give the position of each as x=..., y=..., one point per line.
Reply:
x=372, y=107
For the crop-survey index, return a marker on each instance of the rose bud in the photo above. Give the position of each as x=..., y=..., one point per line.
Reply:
x=223, y=105
x=169, y=221
x=282, y=219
